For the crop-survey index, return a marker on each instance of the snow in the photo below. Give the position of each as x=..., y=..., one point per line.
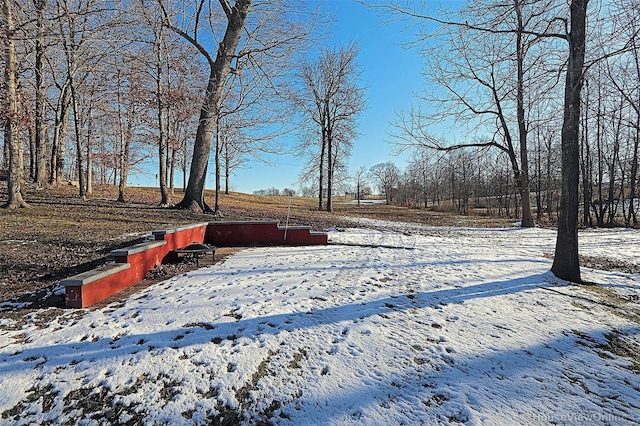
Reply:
x=405, y=324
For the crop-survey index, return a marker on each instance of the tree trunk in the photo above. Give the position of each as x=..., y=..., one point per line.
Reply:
x=5, y=154
x=329, y=204
x=227, y=168
x=89, y=165
x=58, y=150
x=184, y=167
x=585, y=155
x=126, y=135
x=80, y=167
x=219, y=143
x=634, y=173
x=172, y=171
x=600, y=208
x=219, y=69
x=162, y=131
x=636, y=146
x=539, y=178
x=32, y=152
x=70, y=51
x=323, y=147
x=124, y=170
x=77, y=125
x=89, y=180
x=14, y=183
x=40, y=98
x=524, y=183
x=566, y=264
x=615, y=159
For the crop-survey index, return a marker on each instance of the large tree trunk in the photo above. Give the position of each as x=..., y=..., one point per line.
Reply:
x=219, y=69
x=566, y=263
x=10, y=131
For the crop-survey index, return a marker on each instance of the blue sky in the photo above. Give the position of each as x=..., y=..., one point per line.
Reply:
x=392, y=75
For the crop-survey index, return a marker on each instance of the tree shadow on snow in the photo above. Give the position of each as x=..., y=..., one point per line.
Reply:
x=223, y=329
x=442, y=384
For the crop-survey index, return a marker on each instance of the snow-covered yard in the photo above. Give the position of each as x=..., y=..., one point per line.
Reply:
x=411, y=325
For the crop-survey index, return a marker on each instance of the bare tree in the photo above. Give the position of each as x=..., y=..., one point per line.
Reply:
x=159, y=62
x=489, y=65
x=10, y=113
x=387, y=175
x=219, y=67
x=41, y=177
x=329, y=94
x=624, y=75
x=128, y=105
x=61, y=124
x=548, y=23
x=423, y=169
x=231, y=55
x=254, y=113
x=182, y=110
x=81, y=26
x=361, y=183
x=566, y=263
x=234, y=147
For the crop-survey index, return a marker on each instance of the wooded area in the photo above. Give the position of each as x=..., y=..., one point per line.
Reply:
x=496, y=70
x=497, y=66
x=101, y=87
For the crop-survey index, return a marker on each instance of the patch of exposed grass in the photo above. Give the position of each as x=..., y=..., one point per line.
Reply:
x=619, y=345
x=297, y=357
x=618, y=305
x=45, y=395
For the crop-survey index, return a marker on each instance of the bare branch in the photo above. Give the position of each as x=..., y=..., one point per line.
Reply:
x=228, y=10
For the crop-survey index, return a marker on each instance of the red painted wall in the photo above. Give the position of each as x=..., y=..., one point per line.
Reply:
x=93, y=292
x=181, y=237
x=254, y=234
x=145, y=256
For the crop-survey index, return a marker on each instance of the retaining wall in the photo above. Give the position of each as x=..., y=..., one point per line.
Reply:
x=132, y=263
x=261, y=234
